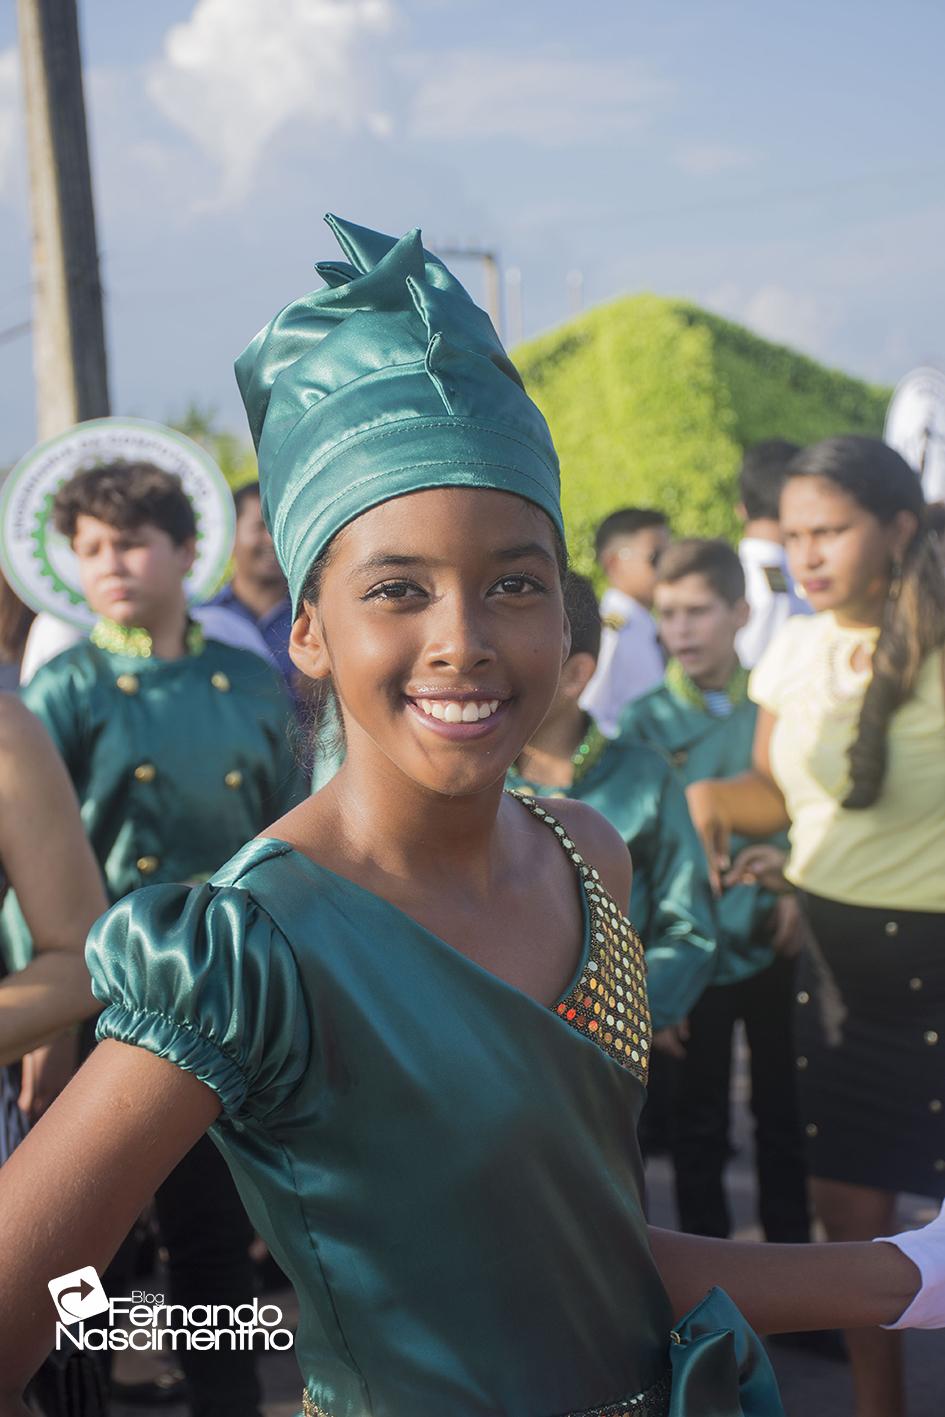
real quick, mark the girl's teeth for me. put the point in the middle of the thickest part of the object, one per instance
(469, 712)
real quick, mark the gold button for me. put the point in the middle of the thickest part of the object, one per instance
(811, 1129)
(128, 683)
(892, 927)
(915, 985)
(145, 772)
(935, 1105)
(234, 778)
(940, 1165)
(220, 681)
(802, 1062)
(931, 1037)
(803, 997)
(147, 865)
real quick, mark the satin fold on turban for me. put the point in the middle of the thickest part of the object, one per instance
(387, 381)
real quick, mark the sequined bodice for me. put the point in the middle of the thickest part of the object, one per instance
(608, 1002)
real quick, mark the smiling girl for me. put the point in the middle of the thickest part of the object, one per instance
(411, 1012)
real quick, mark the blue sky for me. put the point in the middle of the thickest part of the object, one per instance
(782, 165)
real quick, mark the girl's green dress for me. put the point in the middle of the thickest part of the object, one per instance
(447, 1171)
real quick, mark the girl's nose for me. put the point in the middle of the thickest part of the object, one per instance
(457, 637)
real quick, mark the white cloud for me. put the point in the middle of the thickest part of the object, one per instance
(711, 159)
(789, 318)
(11, 126)
(231, 78)
(550, 100)
(785, 316)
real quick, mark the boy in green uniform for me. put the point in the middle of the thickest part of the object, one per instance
(703, 721)
(177, 748)
(635, 789)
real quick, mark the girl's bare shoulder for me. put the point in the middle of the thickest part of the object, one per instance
(601, 846)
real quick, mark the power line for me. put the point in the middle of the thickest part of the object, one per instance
(15, 331)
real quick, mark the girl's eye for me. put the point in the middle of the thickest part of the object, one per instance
(393, 590)
(515, 585)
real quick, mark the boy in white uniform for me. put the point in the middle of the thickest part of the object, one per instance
(769, 589)
(628, 544)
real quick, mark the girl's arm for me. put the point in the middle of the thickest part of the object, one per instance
(72, 1190)
(786, 1288)
(49, 863)
(750, 804)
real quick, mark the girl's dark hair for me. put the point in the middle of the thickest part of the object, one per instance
(913, 624)
(580, 606)
(15, 621)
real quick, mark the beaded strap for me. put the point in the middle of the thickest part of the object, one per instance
(608, 1004)
(652, 1403)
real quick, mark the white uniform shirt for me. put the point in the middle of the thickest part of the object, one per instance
(631, 661)
(771, 595)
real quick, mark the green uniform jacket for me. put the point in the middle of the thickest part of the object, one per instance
(176, 763)
(700, 746)
(671, 901)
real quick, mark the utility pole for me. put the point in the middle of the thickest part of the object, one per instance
(513, 305)
(69, 359)
(490, 271)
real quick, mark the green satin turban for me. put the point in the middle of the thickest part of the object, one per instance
(387, 381)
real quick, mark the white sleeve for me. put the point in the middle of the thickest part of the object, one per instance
(231, 628)
(48, 637)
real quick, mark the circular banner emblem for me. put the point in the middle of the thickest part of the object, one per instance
(39, 563)
(915, 427)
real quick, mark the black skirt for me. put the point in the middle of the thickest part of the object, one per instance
(870, 1033)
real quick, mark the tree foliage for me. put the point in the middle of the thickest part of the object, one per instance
(235, 459)
(652, 402)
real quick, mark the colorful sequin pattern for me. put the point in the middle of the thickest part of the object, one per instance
(608, 1004)
(310, 1407)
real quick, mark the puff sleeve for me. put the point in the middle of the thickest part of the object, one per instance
(204, 978)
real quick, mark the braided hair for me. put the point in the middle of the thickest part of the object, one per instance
(913, 624)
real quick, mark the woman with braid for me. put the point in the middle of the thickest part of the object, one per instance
(850, 747)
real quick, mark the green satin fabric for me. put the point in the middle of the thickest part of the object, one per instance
(445, 1169)
(716, 1355)
(192, 733)
(700, 746)
(671, 901)
(387, 381)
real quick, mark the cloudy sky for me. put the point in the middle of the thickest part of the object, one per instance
(781, 164)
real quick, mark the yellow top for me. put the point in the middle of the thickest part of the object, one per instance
(891, 855)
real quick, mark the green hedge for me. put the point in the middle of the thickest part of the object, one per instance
(652, 401)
